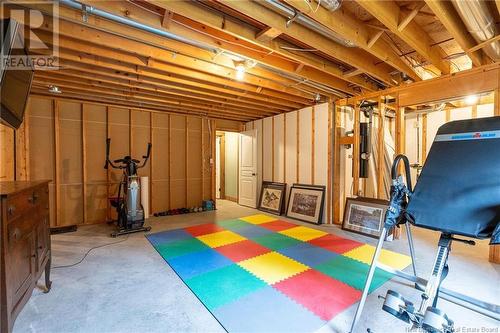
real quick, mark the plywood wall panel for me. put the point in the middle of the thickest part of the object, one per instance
(279, 148)
(305, 146)
(95, 142)
(79, 132)
(6, 153)
(140, 137)
(267, 149)
(96, 203)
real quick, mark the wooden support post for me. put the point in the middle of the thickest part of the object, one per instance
(272, 148)
(400, 144)
(150, 189)
(336, 164)
(298, 147)
(187, 162)
(329, 168)
(355, 150)
(202, 158)
(313, 130)
(84, 163)
(495, 249)
(381, 150)
(108, 205)
(56, 161)
(284, 147)
(169, 162)
(424, 139)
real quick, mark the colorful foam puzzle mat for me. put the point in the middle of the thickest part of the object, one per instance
(260, 274)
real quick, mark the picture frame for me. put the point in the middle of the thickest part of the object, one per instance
(272, 197)
(306, 203)
(365, 216)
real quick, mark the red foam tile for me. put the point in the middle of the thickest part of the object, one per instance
(277, 225)
(324, 296)
(203, 229)
(335, 243)
(242, 250)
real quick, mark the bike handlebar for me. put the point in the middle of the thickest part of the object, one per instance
(124, 160)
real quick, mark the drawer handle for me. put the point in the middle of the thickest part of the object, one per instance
(11, 209)
(15, 234)
(40, 247)
(33, 199)
(33, 256)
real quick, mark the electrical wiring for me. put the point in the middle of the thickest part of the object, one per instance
(88, 252)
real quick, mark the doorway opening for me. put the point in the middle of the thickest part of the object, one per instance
(226, 165)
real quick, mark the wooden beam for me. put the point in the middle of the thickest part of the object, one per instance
(203, 33)
(449, 17)
(406, 19)
(355, 30)
(352, 56)
(157, 96)
(355, 150)
(200, 19)
(381, 150)
(167, 19)
(387, 12)
(268, 34)
(483, 44)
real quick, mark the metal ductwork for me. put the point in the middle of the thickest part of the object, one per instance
(480, 23)
(331, 5)
(295, 16)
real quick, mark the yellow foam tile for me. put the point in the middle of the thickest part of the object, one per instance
(365, 254)
(303, 233)
(258, 219)
(273, 267)
(220, 238)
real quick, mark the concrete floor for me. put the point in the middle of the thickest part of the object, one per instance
(127, 287)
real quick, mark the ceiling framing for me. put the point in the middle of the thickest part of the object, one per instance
(360, 48)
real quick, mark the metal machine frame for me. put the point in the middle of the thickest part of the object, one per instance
(427, 316)
(130, 213)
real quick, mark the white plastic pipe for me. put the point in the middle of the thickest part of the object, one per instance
(145, 195)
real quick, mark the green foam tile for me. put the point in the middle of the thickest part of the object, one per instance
(179, 248)
(233, 225)
(276, 241)
(352, 272)
(224, 285)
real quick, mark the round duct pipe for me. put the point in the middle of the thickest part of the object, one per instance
(480, 24)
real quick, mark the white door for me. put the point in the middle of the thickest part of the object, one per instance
(248, 169)
(217, 167)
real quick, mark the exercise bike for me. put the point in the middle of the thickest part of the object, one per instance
(128, 202)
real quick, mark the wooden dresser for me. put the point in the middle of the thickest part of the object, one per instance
(24, 245)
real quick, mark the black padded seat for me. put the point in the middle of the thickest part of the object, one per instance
(458, 191)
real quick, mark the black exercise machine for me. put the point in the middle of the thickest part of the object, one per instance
(130, 213)
(457, 194)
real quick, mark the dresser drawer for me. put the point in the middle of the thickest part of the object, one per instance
(21, 228)
(18, 205)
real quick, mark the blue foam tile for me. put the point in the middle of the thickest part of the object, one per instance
(266, 310)
(252, 231)
(196, 263)
(168, 236)
(308, 254)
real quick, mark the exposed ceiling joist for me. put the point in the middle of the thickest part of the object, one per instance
(388, 13)
(268, 34)
(232, 33)
(352, 56)
(348, 26)
(448, 16)
(406, 18)
(263, 55)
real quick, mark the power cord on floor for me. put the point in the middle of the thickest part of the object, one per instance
(88, 252)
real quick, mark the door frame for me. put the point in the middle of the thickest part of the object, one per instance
(222, 166)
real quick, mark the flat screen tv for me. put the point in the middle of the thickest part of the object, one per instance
(15, 82)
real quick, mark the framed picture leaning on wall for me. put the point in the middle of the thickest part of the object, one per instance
(365, 216)
(306, 203)
(272, 197)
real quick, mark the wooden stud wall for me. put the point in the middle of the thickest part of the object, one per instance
(65, 141)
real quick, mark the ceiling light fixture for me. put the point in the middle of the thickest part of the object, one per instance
(471, 99)
(240, 70)
(54, 89)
